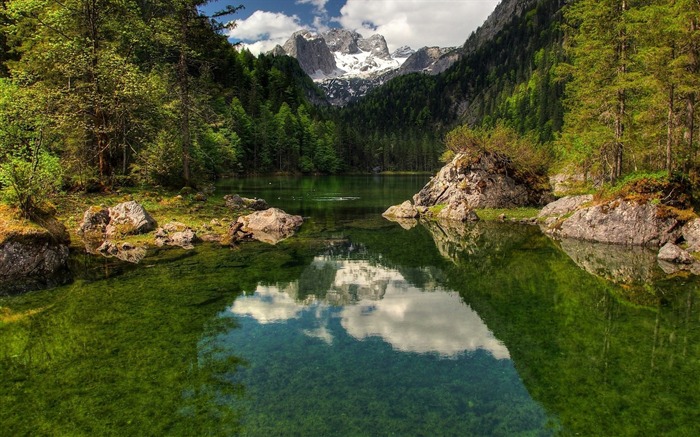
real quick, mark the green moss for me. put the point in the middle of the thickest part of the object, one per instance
(494, 214)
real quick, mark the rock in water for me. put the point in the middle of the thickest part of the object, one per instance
(556, 210)
(621, 222)
(674, 254)
(404, 211)
(484, 182)
(270, 226)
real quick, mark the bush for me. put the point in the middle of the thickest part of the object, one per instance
(527, 156)
(29, 180)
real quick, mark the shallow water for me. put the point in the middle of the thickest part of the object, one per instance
(357, 326)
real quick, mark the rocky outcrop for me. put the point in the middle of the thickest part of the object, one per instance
(458, 210)
(691, 235)
(32, 261)
(311, 51)
(620, 222)
(376, 45)
(343, 41)
(426, 59)
(270, 226)
(485, 182)
(556, 210)
(504, 13)
(176, 234)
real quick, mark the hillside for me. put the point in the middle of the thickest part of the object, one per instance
(505, 73)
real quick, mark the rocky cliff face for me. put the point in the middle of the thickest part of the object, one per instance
(499, 18)
(311, 51)
(431, 60)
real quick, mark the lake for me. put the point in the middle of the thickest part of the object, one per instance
(358, 326)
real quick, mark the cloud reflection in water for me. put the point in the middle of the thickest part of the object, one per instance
(377, 302)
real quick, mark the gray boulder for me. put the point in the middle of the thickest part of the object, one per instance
(270, 226)
(404, 211)
(129, 218)
(95, 221)
(674, 254)
(621, 222)
(32, 261)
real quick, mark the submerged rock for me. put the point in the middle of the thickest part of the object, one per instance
(270, 226)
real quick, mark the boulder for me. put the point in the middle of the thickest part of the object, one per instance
(129, 218)
(691, 235)
(234, 201)
(31, 261)
(404, 211)
(674, 254)
(555, 210)
(94, 223)
(270, 226)
(620, 222)
(176, 234)
(484, 182)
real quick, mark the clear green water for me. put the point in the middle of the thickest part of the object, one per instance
(357, 326)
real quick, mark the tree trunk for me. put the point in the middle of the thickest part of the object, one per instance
(669, 130)
(183, 85)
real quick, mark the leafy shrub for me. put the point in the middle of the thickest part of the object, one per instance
(526, 155)
(29, 180)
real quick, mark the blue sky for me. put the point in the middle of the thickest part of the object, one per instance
(417, 23)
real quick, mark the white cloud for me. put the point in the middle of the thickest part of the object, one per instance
(320, 5)
(417, 23)
(265, 28)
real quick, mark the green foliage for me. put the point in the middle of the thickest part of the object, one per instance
(527, 157)
(27, 180)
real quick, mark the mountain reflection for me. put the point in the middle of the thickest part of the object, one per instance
(374, 301)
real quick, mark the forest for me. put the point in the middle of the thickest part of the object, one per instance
(102, 93)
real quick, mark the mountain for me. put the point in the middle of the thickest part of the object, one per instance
(504, 73)
(346, 65)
